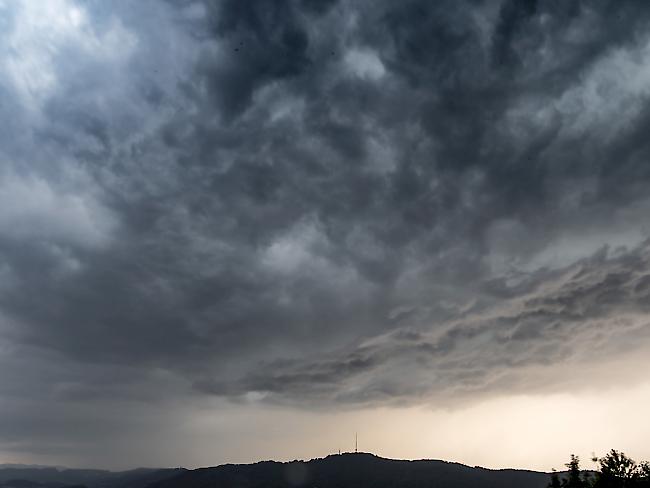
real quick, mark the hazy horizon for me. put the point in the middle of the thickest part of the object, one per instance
(241, 230)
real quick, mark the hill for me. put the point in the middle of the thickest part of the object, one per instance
(47, 477)
(20, 483)
(353, 470)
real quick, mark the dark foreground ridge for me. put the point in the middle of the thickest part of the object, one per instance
(354, 470)
(350, 470)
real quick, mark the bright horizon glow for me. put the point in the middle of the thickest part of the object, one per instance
(536, 432)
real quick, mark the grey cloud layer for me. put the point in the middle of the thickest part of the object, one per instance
(590, 311)
(221, 192)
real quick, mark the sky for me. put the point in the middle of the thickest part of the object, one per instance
(242, 230)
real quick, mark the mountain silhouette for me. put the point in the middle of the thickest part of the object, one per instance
(354, 470)
(48, 477)
(21, 483)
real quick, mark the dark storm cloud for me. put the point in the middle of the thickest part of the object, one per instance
(262, 42)
(308, 199)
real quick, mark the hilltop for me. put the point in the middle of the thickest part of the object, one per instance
(354, 470)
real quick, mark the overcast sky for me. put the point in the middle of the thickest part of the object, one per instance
(239, 230)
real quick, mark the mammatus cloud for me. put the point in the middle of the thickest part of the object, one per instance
(315, 202)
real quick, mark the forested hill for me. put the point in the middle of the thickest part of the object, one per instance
(354, 471)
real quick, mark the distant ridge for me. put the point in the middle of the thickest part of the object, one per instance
(24, 476)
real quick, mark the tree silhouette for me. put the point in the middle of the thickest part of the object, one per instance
(555, 480)
(574, 479)
(616, 470)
